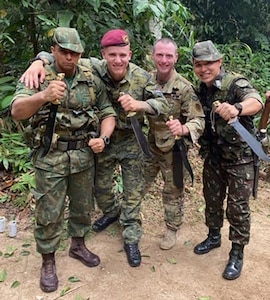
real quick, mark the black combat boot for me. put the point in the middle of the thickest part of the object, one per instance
(235, 264)
(103, 222)
(48, 279)
(213, 241)
(79, 251)
(133, 254)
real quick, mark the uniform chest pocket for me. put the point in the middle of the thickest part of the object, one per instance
(84, 98)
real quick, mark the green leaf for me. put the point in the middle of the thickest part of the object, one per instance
(172, 261)
(64, 291)
(3, 275)
(6, 79)
(187, 243)
(25, 253)
(73, 279)
(15, 284)
(5, 102)
(153, 269)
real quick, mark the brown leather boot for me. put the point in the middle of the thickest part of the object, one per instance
(48, 278)
(79, 251)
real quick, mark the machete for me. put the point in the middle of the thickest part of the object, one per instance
(180, 159)
(50, 126)
(253, 143)
(138, 132)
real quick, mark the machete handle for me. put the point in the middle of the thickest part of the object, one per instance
(60, 76)
(216, 104)
(265, 115)
(130, 113)
(176, 137)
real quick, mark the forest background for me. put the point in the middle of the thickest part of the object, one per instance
(240, 29)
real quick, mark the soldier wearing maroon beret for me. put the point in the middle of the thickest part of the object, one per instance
(115, 37)
(130, 88)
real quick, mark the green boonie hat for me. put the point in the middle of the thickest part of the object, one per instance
(68, 38)
(205, 51)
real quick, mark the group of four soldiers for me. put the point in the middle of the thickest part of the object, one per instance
(93, 134)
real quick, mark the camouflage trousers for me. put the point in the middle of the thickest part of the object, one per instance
(234, 181)
(53, 190)
(123, 152)
(173, 198)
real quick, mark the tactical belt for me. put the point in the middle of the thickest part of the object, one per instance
(71, 145)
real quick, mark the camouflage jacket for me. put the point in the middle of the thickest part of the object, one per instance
(83, 106)
(220, 139)
(138, 84)
(184, 105)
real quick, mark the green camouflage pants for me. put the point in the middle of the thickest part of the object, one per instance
(173, 197)
(123, 151)
(50, 194)
(221, 179)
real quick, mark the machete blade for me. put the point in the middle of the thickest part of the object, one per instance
(253, 143)
(178, 171)
(139, 135)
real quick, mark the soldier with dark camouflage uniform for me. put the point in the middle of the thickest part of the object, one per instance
(228, 167)
(130, 88)
(68, 168)
(188, 122)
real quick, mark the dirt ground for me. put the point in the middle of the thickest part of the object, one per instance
(174, 274)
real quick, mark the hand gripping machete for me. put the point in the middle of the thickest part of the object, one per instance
(180, 159)
(138, 132)
(253, 143)
(50, 126)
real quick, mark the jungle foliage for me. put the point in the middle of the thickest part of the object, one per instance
(240, 29)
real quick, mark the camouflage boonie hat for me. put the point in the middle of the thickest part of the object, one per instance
(68, 38)
(205, 51)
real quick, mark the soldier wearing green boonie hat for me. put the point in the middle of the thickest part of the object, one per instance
(229, 166)
(68, 38)
(64, 135)
(205, 51)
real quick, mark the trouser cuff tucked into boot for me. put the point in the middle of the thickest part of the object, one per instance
(48, 278)
(235, 263)
(213, 241)
(79, 251)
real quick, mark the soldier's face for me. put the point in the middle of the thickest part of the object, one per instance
(207, 71)
(165, 56)
(117, 60)
(65, 60)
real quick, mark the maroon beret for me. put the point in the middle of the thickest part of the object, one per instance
(115, 37)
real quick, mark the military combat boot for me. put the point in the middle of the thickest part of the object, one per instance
(133, 254)
(235, 263)
(169, 239)
(48, 279)
(213, 241)
(79, 251)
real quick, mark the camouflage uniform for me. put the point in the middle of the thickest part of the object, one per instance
(185, 106)
(228, 159)
(66, 172)
(124, 150)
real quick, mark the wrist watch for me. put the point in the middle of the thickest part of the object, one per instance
(105, 139)
(239, 107)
